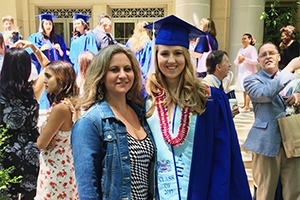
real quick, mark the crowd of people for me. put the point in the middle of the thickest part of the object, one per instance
(145, 120)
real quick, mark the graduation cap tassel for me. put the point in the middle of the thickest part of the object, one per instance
(153, 50)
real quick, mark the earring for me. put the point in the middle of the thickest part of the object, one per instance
(100, 93)
(129, 96)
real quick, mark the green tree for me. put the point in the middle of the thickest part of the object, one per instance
(276, 16)
(5, 178)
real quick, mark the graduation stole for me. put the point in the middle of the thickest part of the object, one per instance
(173, 162)
(51, 44)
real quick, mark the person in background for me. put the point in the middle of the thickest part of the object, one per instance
(192, 46)
(83, 39)
(112, 144)
(51, 44)
(246, 60)
(269, 161)
(289, 46)
(10, 34)
(102, 31)
(56, 178)
(207, 25)
(198, 154)
(218, 66)
(19, 112)
(140, 43)
(84, 59)
(2, 50)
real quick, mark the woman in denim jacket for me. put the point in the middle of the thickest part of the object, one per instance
(112, 144)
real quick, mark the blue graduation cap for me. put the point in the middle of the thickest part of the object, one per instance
(82, 17)
(173, 31)
(46, 16)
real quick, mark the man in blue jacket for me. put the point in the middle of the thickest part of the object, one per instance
(269, 162)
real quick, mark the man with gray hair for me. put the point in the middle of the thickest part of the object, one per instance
(218, 65)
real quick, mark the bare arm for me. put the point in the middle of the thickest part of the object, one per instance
(43, 60)
(57, 119)
(38, 84)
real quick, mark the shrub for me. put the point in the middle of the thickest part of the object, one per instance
(5, 178)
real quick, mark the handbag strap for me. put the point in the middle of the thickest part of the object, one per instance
(208, 43)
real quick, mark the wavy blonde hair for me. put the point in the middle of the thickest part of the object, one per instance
(98, 69)
(189, 87)
(140, 37)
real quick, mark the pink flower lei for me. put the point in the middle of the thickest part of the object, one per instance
(164, 125)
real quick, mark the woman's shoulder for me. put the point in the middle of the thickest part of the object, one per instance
(60, 108)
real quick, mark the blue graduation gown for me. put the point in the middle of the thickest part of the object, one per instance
(52, 54)
(217, 170)
(143, 56)
(82, 43)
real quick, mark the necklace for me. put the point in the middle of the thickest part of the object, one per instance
(118, 113)
(164, 125)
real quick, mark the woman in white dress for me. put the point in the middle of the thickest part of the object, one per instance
(246, 60)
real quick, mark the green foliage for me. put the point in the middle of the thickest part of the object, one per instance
(4, 173)
(277, 16)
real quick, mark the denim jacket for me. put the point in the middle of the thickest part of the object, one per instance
(101, 155)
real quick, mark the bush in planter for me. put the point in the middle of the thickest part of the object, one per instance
(5, 179)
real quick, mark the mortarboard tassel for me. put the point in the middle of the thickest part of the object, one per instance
(153, 50)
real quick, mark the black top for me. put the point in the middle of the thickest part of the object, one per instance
(288, 54)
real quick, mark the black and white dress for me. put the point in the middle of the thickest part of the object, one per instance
(141, 153)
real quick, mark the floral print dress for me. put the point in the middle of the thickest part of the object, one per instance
(21, 116)
(57, 177)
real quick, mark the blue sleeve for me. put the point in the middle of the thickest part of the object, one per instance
(146, 62)
(38, 42)
(91, 43)
(201, 46)
(87, 153)
(63, 46)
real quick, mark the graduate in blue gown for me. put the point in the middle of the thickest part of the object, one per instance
(83, 39)
(140, 43)
(51, 44)
(198, 154)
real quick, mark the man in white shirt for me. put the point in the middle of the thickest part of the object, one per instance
(218, 65)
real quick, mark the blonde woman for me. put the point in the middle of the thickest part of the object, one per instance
(198, 155)
(140, 44)
(205, 43)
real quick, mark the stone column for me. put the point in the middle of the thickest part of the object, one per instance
(192, 10)
(244, 18)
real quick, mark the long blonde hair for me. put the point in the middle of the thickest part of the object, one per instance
(189, 87)
(140, 37)
(94, 90)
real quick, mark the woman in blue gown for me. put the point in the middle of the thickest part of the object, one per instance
(51, 44)
(83, 39)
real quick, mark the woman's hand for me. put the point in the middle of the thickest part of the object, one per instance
(23, 44)
(241, 59)
(45, 47)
